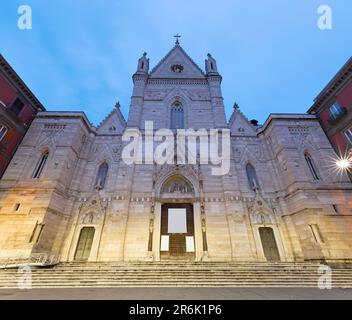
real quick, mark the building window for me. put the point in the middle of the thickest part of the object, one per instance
(177, 116)
(101, 176)
(3, 131)
(252, 177)
(16, 207)
(177, 68)
(40, 166)
(336, 208)
(17, 106)
(336, 110)
(348, 134)
(37, 231)
(311, 166)
(316, 233)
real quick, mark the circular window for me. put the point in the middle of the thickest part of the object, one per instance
(177, 68)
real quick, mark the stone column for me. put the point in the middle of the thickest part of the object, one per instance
(198, 235)
(156, 231)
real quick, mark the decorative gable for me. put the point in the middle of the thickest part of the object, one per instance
(261, 212)
(240, 125)
(114, 123)
(177, 64)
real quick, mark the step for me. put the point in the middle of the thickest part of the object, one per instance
(176, 274)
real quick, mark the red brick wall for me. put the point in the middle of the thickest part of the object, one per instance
(13, 137)
(337, 139)
(7, 93)
(345, 98)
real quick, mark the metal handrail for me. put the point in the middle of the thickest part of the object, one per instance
(41, 259)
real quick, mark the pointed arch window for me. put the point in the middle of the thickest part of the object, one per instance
(101, 176)
(177, 116)
(40, 166)
(252, 177)
(311, 166)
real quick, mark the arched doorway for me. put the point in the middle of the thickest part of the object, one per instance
(267, 237)
(84, 244)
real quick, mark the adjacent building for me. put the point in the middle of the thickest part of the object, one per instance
(18, 107)
(333, 108)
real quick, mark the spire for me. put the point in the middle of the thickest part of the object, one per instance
(210, 65)
(143, 64)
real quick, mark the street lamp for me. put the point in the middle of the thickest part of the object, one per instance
(345, 163)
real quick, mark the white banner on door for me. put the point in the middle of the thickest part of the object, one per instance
(190, 244)
(164, 245)
(177, 222)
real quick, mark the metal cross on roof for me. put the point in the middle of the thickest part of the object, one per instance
(177, 36)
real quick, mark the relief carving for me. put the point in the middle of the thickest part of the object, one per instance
(177, 186)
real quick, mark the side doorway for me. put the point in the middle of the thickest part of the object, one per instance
(269, 244)
(84, 244)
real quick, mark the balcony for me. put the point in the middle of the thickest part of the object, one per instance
(337, 117)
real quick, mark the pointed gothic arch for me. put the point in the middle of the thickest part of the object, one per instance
(174, 96)
(185, 173)
(262, 217)
(101, 177)
(41, 164)
(91, 217)
(177, 185)
(105, 152)
(311, 165)
(177, 116)
(252, 177)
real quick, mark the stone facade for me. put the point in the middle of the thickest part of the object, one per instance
(309, 219)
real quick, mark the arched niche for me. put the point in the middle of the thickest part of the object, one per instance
(91, 218)
(177, 187)
(262, 218)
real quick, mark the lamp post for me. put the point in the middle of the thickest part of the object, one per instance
(345, 163)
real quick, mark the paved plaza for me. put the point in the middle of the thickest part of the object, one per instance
(177, 294)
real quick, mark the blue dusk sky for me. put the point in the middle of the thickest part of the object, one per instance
(80, 55)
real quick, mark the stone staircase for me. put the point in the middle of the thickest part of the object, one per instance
(176, 274)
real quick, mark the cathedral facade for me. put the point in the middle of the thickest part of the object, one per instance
(68, 192)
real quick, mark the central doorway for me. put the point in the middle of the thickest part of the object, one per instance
(177, 232)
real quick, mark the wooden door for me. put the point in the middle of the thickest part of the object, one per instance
(84, 243)
(177, 241)
(269, 244)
